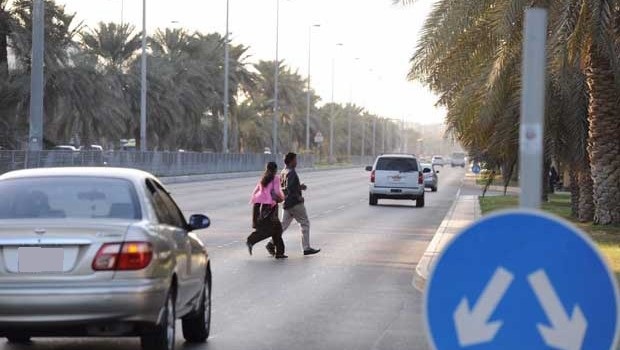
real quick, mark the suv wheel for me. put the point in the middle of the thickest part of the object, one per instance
(196, 327)
(372, 200)
(419, 203)
(162, 337)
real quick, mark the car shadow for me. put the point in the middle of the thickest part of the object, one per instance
(401, 206)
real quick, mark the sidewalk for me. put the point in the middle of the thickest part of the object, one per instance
(470, 178)
(464, 212)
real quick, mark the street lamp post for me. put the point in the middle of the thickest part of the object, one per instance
(331, 119)
(143, 146)
(274, 146)
(351, 110)
(383, 141)
(35, 142)
(363, 151)
(374, 136)
(226, 82)
(308, 97)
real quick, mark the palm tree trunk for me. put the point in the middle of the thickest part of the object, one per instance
(603, 144)
(586, 201)
(574, 191)
(4, 34)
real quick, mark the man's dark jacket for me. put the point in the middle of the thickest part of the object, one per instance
(291, 186)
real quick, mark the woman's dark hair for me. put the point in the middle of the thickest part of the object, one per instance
(270, 173)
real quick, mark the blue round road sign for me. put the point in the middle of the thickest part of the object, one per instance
(522, 280)
(476, 169)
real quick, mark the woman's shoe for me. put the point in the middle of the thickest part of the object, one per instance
(249, 245)
(281, 256)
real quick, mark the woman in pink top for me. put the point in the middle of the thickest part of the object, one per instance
(265, 218)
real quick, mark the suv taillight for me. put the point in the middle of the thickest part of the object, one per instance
(127, 256)
(372, 177)
(420, 178)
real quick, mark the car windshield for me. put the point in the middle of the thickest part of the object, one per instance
(68, 198)
(403, 165)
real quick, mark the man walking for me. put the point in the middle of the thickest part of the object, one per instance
(294, 207)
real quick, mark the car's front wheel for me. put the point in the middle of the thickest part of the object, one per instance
(18, 339)
(162, 337)
(197, 326)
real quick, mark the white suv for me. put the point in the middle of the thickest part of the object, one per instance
(396, 176)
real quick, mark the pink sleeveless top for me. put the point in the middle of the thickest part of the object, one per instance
(262, 195)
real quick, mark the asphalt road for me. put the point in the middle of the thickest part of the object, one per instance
(355, 294)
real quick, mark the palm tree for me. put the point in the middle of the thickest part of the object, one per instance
(114, 45)
(470, 54)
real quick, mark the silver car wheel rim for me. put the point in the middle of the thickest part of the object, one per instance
(171, 323)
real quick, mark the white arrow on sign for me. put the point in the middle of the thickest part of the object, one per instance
(472, 325)
(565, 333)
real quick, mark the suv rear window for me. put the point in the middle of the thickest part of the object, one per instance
(403, 165)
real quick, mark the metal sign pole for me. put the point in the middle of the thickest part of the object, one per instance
(36, 76)
(533, 108)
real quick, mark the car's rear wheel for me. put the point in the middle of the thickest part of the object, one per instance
(18, 339)
(162, 336)
(434, 189)
(419, 203)
(372, 200)
(197, 326)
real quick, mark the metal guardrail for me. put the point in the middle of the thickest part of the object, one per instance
(158, 163)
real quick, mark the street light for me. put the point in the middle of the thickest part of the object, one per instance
(309, 85)
(331, 119)
(274, 146)
(143, 147)
(350, 114)
(226, 81)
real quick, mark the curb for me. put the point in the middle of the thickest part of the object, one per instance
(449, 228)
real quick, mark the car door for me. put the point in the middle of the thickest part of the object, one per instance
(193, 255)
(169, 230)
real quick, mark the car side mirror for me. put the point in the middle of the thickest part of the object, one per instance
(369, 168)
(199, 222)
(436, 171)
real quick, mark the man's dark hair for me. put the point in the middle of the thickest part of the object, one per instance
(289, 158)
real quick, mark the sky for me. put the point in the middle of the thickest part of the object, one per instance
(371, 66)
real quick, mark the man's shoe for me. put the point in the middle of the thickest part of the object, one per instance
(281, 256)
(271, 248)
(311, 251)
(249, 247)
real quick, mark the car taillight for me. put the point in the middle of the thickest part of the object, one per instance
(125, 256)
(372, 177)
(420, 178)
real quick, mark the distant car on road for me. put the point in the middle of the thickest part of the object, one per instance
(431, 180)
(99, 252)
(95, 148)
(438, 161)
(65, 148)
(396, 176)
(458, 159)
